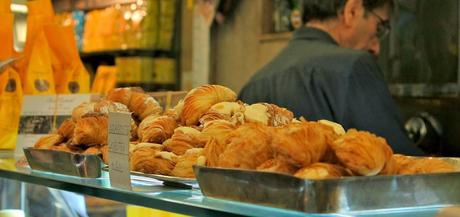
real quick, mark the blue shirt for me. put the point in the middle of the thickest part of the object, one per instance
(316, 78)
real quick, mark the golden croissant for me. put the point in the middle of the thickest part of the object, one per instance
(230, 111)
(156, 129)
(184, 138)
(63, 147)
(199, 100)
(66, 129)
(219, 130)
(362, 152)
(143, 105)
(212, 151)
(148, 160)
(425, 165)
(300, 143)
(322, 171)
(248, 147)
(121, 95)
(278, 165)
(91, 130)
(268, 114)
(106, 106)
(184, 164)
(82, 110)
(48, 141)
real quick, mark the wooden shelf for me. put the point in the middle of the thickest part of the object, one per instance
(282, 36)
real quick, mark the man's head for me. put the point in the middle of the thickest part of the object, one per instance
(356, 24)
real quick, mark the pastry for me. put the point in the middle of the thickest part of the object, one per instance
(105, 154)
(230, 111)
(90, 131)
(143, 105)
(66, 129)
(48, 141)
(277, 165)
(219, 130)
(149, 160)
(82, 110)
(321, 171)
(300, 143)
(106, 106)
(121, 95)
(425, 165)
(93, 150)
(154, 146)
(184, 138)
(268, 114)
(156, 129)
(184, 164)
(362, 152)
(199, 100)
(62, 147)
(248, 147)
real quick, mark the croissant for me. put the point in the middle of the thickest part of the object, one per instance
(121, 95)
(143, 105)
(154, 146)
(362, 152)
(105, 153)
(322, 171)
(184, 165)
(212, 151)
(230, 111)
(93, 150)
(268, 114)
(426, 165)
(82, 110)
(219, 130)
(391, 167)
(156, 129)
(184, 138)
(90, 131)
(48, 141)
(300, 143)
(62, 147)
(277, 165)
(148, 160)
(248, 147)
(200, 99)
(66, 129)
(106, 106)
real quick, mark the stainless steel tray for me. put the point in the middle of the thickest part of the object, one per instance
(167, 180)
(345, 195)
(74, 164)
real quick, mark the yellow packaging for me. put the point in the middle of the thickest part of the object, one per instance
(10, 107)
(164, 69)
(132, 211)
(106, 79)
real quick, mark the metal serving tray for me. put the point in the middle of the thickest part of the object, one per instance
(74, 164)
(345, 195)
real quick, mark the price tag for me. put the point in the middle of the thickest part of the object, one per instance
(119, 133)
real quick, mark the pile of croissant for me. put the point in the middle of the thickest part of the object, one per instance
(209, 127)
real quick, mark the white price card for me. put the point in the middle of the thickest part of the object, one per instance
(119, 133)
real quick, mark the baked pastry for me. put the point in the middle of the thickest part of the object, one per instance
(148, 160)
(426, 165)
(338, 129)
(391, 167)
(278, 165)
(66, 129)
(121, 95)
(48, 141)
(362, 152)
(93, 150)
(301, 144)
(268, 114)
(184, 164)
(212, 151)
(106, 106)
(248, 147)
(230, 111)
(156, 129)
(82, 110)
(105, 154)
(219, 130)
(62, 147)
(199, 100)
(184, 138)
(322, 171)
(143, 105)
(91, 130)
(154, 146)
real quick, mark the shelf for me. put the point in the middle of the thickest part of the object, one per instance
(154, 194)
(281, 36)
(127, 52)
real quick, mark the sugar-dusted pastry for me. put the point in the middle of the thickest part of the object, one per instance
(248, 147)
(148, 160)
(219, 130)
(106, 106)
(93, 150)
(154, 146)
(143, 105)
(91, 130)
(426, 165)
(278, 165)
(82, 110)
(184, 138)
(48, 141)
(199, 100)
(322, 171)
(66, 129)
(268, 114)
(156, 129)
(362, 152)
(300, 143)
(184, 163)
(230, 111)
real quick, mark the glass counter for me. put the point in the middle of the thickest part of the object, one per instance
(153, 194)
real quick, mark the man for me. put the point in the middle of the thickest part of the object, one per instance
(328, 70)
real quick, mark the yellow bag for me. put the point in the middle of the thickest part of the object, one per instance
(106, 79)
(38, 78)
(10, 107)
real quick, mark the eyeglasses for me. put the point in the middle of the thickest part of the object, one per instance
(383, 27)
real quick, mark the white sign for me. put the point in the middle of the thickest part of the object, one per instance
(119, 134)
(41, 115)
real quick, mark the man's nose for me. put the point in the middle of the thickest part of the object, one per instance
(374, 47)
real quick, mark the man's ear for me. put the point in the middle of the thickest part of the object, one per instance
(351, 12)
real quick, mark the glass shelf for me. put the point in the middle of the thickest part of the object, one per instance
(154, 194)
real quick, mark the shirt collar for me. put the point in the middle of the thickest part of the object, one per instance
(309, 33)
